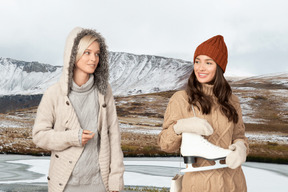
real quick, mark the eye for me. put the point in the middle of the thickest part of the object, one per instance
(196, 62)
(86, 52)
(97, 54)
(208, 63)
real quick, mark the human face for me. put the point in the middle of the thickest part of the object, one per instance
(88, 62)
(204, 68)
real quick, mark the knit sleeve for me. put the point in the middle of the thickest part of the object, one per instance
(239, 129)
(116, 182)
(44, 134)
(168, 140)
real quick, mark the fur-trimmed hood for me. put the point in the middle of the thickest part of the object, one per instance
(101, 73)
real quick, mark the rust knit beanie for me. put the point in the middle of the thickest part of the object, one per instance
(215, 48)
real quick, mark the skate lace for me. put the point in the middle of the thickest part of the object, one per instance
(210, 145)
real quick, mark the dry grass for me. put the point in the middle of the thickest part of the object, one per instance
(134, 144)
(268, 101)
(270, 152)
(146, 111)
(19, 141)
(280, 128)
(147, 189)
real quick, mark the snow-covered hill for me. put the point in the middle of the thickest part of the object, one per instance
(20, 77)
(137, 74)
(263, 98)
(280, 79)
(129, 74)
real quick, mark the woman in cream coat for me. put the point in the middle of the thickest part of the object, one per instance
(77, 120)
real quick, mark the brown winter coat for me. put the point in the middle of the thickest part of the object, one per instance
(225, 133)
(56, 126)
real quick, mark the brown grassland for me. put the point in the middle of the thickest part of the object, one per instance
(141, 118)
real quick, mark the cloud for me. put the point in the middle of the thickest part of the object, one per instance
(254, 31)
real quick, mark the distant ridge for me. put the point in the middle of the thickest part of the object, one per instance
(129, 74)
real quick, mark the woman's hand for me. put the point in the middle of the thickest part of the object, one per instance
(193, 125)
(237, 156)
(86, 136)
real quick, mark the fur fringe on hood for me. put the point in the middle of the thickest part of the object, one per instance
(101, 73)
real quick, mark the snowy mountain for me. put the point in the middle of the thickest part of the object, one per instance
(20, 77)
(137, 74)
(129, 74)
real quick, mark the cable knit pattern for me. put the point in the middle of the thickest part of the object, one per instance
(57, 126)
(225, 133)
(86, 173)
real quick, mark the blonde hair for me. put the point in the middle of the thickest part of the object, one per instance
(84, 43)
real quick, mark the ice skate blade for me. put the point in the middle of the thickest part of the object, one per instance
(217, 165)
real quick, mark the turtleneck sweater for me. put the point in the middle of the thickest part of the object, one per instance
(208, 89)
(86, 175)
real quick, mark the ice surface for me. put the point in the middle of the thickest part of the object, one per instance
(260, 176)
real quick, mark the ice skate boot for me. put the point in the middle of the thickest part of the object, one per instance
(194, 145)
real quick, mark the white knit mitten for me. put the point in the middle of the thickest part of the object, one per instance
(193, 125)
(237, 156)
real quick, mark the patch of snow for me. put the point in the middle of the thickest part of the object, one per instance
(280, 139)
(145, 131)
(247, 119)
(280, 82)
(11, 124)
(121, 102)
(136, 129)
(279, 92)
(244, 88)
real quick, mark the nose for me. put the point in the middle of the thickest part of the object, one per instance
(201, 66)
(93, 57)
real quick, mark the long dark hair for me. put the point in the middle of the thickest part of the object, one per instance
(221, 90)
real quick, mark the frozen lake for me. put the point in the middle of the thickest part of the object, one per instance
(31, 172)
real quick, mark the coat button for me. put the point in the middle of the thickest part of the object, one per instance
(104, 105)
(48, 178)
(56, 156)
(67, 129)
(67, 103)
(70, 162)
(60, 184)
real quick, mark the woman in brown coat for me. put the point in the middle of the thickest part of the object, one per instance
(218, 119)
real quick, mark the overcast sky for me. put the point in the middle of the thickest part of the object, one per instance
(255, 31)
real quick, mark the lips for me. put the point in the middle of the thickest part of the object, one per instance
(202, 75)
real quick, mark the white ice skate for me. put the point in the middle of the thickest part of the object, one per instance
(194, 145)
